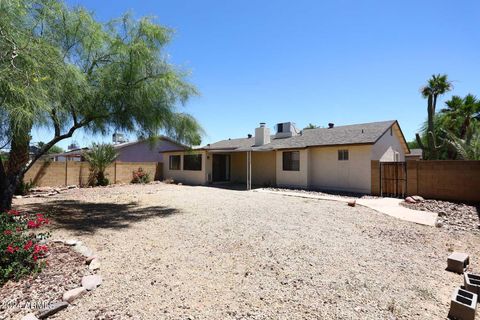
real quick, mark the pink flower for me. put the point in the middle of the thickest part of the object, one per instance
(11, 249)
(32, 224)
(7, 232)
(28, 245)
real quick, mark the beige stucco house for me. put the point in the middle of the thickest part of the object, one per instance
(333, 158)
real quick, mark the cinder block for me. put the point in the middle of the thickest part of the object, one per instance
(462, 306)
(472, 282)
(458, 262)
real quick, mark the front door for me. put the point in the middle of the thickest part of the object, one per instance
(221, 167)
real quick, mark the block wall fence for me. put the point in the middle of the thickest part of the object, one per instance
(438, 179)
(50, 174)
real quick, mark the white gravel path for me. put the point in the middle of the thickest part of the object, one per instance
(180, 252)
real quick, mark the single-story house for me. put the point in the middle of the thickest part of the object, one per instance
(333, 158)
(415, 154)
(135, 151)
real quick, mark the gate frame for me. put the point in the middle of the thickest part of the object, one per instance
(405, 180)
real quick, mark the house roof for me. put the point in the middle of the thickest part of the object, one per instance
(416, 152)
(126, 144)
(364, 133)
(79, 151)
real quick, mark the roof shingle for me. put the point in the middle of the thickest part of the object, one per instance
(364, 133)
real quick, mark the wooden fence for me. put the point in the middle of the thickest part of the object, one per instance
(438, 179)
(50, 174)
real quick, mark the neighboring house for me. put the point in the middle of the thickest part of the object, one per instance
(415, 154)
(70, 155)
(334, 158)
(137, 151)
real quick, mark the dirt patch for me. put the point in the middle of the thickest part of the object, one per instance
(451, 215)
(63, 271)
(179, 252)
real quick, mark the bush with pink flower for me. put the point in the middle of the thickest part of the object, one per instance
(140, 176)
(20, 244)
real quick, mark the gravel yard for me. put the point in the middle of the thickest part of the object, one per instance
(181, 252)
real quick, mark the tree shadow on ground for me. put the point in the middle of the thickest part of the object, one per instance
(85, 217)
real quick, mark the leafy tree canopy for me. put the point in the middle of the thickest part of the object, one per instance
(63, 70)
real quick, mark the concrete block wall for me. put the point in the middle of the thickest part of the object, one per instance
(51, 174)
(438, 179)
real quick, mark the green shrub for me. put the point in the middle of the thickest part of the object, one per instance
(140, 176)
(20, 249)
(24, 187)
(100, 156)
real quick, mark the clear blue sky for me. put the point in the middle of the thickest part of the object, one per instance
(311, 61)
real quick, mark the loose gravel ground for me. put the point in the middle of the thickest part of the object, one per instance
(181, 252)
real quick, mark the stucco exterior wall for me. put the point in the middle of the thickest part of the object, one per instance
(329, 173)
(238, 167)
(296, 179)
(144, 151)
(263, 168)
(186, 176)
(384, 149)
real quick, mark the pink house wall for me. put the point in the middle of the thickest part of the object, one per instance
(145, 152)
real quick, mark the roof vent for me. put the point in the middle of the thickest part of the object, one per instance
(262, 124)
(249, 135)
(331, 125)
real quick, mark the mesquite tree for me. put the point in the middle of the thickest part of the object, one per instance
(63, 70)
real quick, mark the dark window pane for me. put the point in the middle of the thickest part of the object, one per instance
(342, 154)
(192, 162)
(291, 161)
(174, 163)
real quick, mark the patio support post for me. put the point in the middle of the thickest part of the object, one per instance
(249, 170)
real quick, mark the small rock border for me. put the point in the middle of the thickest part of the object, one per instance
(88, 283)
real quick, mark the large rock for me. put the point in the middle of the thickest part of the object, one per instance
(91, 282)
(52, 309)
(90, 258)
(410, 200)
(72, 242)
(418, 198)
(94, 264)
(83, 250)
(73, 294)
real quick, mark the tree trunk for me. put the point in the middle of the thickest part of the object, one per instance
(432, 152)
(12, 174)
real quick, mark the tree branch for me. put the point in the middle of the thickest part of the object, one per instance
(56, 125)
(55, 140)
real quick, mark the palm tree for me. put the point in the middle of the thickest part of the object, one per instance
(462, 112)
(100, 156)
(436, 86)
(469, 147)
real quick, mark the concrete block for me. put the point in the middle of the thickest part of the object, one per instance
(458, 262)
(472, 282)
(462, 306)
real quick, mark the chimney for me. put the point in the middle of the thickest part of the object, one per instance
(249, 136)
(262, 135)
(331, 125)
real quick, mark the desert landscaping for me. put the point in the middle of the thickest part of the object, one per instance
(172, 251)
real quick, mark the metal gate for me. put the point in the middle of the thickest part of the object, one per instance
(393, 179)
